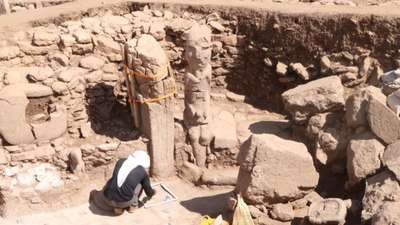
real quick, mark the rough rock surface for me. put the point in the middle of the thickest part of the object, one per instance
(322, 95)
(364, 155)
(391, 158)
(282, 212)
(356, 105)
(267, 173)
(383, 121)
(327, 211)
(225, 131)
(380, 189)
(388, 213)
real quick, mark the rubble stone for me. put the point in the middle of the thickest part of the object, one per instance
(282, 212)
(391, 158)
(327, 211)
(92, 63)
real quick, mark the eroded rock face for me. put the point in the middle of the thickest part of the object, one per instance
(330, 136)
(383, 121)
(327, 211)
(356, 105)
(388, 213)
(322, 95)
(380, 189)
(267, 172)
(363, 157)
(391, 158)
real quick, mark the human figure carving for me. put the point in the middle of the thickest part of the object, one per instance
(197, 81)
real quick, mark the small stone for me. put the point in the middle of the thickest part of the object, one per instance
(168, 15)
(235, 97)
(82, 37)
(110, 77)
(281, 69)
(92, 63)
(36, 200)
(282, 212)
(108, 147)
(300, 70)
(86, 130)
(45, 38)
(331, 210)
(9, 52)
(325, 64)
(216, 26)
(157, 30)
(67, 40)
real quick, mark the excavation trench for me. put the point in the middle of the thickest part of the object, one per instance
(257, 56)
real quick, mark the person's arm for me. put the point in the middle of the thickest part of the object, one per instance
(147, 186)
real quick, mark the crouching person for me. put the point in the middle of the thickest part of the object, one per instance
(129, 178)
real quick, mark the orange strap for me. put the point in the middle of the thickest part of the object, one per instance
(164, 69)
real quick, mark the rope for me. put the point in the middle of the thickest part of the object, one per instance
(134, 73)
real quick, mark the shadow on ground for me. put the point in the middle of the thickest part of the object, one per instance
(98, 206)
(209, 205)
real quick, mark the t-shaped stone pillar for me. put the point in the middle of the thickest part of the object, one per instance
(151, 89)
(197, 79)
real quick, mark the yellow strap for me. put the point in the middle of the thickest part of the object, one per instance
(158, 98)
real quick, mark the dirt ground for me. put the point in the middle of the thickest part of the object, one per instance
(191, 204)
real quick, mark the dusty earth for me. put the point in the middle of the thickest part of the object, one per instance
(191, 204)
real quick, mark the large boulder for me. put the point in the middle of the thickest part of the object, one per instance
(380, 189)
(275, 170)
(363, 157)
(391, 158)
(388, 213)
(383, 121)
(330, 136)
(356, 105)
(322, 95)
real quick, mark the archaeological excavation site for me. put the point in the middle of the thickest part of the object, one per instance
(292, 106)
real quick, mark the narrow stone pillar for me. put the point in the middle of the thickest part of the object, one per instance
(151, 92)
(4, 7)
(197, 79)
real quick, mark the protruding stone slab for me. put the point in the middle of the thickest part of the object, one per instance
(380, 189)
(356, 105)
(53, 128)
(363, 157)
(275, 170)
(391, 158)
(382, 121)
(322, 95)
(327, 211)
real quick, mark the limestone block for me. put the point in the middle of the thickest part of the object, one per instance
(190, 172)
(13, 126)
(325, 64)
(157, 30)
(94, 77)
(67, 40)
(9, 52)
(325, 94)
(267, 173)
(35, 90)
(108, 45)
(391, 158)
(215, 25)
(110, 77)
(41, 38)
(282, 212)
(82, 37)
(70, 73)
(388, 213)
(57, 125)
(82, 49)
(86, 130)
(91, 24)
(281, 69)
(92, 63)
(12, 77)
(108, 147)
(29, 49)
(43, 73)
(356, 105)
(235, 97)
(327, 211)
(380, 189)
(393, 102)
(225, 131)
(300, 70)
(179, 25)
(363, 157)
(77, 165)
(230, 40)
(59, 87)
(382, 121)
(220, 176)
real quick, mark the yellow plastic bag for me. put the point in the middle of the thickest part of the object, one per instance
(241, 215)
(207, 220)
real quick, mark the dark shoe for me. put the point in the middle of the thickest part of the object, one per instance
(131, 208)
(118, 211)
